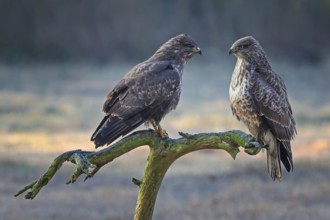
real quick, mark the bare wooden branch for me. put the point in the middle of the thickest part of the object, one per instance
(163, 152)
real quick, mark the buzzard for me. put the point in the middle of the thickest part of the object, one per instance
(147, 92)
(259, 99)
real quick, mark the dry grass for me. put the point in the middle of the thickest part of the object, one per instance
(46, 110)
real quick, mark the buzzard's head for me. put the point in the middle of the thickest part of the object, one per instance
(247, 48)
(181, 47)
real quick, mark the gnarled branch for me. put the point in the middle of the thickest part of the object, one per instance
(163, 152)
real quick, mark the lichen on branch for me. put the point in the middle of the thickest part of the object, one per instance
(163, 152)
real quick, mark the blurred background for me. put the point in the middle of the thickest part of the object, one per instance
(59, 59)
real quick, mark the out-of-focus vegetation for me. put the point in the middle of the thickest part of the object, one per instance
(52, 88)
(59, 30)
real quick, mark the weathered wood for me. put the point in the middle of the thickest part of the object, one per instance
(163, 152)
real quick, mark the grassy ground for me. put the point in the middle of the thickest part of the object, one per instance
(48, 109)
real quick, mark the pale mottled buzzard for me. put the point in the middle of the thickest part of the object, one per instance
(259, 99)
(147, 93)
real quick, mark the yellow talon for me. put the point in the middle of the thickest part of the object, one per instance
(163, 133)
(158, 129)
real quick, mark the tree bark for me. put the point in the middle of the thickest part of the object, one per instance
(163, 152)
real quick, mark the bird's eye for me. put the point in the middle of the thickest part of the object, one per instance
(188, 45)
(243, 46)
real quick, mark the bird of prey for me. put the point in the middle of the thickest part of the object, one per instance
(147, 92)
(259, 99)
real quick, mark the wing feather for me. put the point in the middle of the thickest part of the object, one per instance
(270, 98)
(145, 91)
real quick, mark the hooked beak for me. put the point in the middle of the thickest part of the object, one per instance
(231, 51)
(198, 50)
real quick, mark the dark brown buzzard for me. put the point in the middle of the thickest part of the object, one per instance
(259, 99)
(147, 93)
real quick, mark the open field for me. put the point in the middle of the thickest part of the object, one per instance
(48, 109)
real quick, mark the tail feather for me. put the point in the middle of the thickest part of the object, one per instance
(110, 129)
(97, 130)
(278, 150)
(110, 132)
(286, 155)
(282, 152)
(273, 162)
